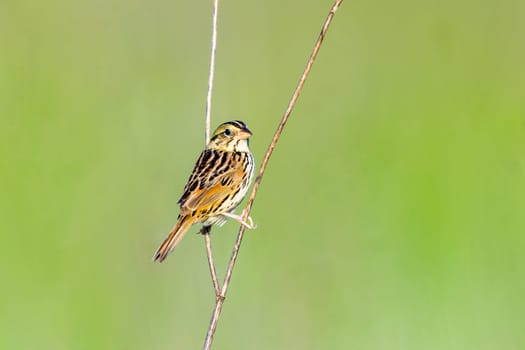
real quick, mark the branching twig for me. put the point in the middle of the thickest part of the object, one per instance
(220, 299)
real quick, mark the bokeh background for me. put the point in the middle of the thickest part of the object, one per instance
(391, 215)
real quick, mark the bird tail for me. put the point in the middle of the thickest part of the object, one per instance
(181, 227)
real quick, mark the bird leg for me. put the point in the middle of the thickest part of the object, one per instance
(205, 230)
(249, 225)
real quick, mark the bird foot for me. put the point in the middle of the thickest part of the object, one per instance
(249, 225)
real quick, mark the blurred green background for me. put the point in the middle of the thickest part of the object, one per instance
(391, 215)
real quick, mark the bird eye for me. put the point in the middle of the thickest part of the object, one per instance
(227, 132)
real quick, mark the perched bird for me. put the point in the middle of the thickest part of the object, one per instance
(217, 185)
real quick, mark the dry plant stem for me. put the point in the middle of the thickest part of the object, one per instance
(212, 68)
(206, 231)
(220, 300)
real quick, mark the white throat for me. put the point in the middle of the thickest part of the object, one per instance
(242, 146)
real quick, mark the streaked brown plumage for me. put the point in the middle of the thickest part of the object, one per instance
(217, 185)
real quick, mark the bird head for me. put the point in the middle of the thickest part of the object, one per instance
(231, 136)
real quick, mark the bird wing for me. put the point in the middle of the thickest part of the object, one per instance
(212, 181)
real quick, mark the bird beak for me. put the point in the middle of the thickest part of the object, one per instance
(245, 134)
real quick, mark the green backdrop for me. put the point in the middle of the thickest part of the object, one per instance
(391, 215)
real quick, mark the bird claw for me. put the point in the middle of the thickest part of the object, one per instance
(250, 225)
